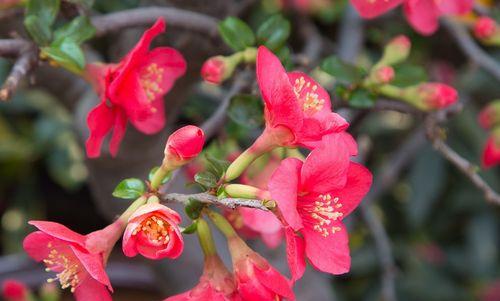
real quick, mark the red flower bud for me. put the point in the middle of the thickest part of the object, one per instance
(13, 290)
(432, 96)
(184, 145)
(491, 152)
(485, 27)
(214, 69)
(396, 51)
(384, 75)
(490, 115)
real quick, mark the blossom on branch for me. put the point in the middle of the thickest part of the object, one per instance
(184, 145)
(13, 290)
(153, 231)
(132, 90)
(78, 260)
(423, 15)
(314, 196)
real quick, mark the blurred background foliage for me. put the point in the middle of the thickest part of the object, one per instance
(445, 237)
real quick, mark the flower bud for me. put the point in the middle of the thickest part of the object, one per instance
(183, 146)
(217, 69)
(382, 75)
(13, 290)
(490, 115)
(491, 152)
(396, 51)
(431, 96)
(485, 28)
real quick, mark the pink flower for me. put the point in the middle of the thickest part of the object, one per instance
(132, 90)
(153, 231)
(213, 70)
(13, 290)
(184, 145)
(490, 115)
(78, 260)
(491, 152)
(314, 197)
(485, 27)
(256, 279)
(216, 283)
(423, 15)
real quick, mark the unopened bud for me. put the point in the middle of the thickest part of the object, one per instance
(431, 96)
(215, 70)
(485, 28)
(13, 290)
(490, 115)
(382, 75)
(183, 145)
(491, 152)
(396, 51)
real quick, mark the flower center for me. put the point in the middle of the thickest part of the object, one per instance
(151, 78)
(155, 228)
(67, 268)
(323, 212)
(308, 96)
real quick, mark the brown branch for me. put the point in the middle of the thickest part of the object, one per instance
(13, 47)
(24, 64)
(148, 15)
(206, 198)
(472, 50)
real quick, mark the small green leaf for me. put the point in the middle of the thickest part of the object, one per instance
(39, 31)
(342, 71)
(408, 75)
(361, 99)
(129, 189)
(152, 173)
(67, 54)
(206, 179)
(191, 228)
(246, 111)
(236, 33)
(78, 30)
(274, 32)
(193, 208)
(218, 166)
(45, 10)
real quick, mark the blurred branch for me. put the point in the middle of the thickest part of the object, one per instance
(350, 39)
(144, 16)
(13, 47)
(213, 200)
(24, 64)
(471, 49)
(435, 135)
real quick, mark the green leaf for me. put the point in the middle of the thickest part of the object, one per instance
(206, 179)
(67, 54)
(274, 32)
(39, 31)
(218, 166)
(129, 189)
(342, 71)
(361, 99)
(191, 228)
(408, 75)
(246, 111)
(78, 30)
(193, 208)
(153, 171)
(236, 33)
(45, 10)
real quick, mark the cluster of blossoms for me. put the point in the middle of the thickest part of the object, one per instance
(489, 119)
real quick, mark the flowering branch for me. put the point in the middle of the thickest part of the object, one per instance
(472, 50)
(213, 200)
(148, 15)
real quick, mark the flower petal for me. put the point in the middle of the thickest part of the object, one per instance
(374, 8)
(120, 125)
(491, 153)
(274, 281)
(59, 231)
(154, 121)
(260, 221)
(423, 15)
(92, 290)
(328, 254)
(94, 264)
(457, 7)
(295, 254)
(35, 245)
(100, 120)
(284, 188)
(316, 128)
(313, 99)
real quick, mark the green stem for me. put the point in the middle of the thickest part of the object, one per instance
(161, 173)
(205, 238)
(131, 209)
(222, 224)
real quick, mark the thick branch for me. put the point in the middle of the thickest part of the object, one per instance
(13, 47)
(213, 200)
(472, 50)
(22, 67)
(147, 15)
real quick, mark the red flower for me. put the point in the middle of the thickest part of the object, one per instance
(256, 279)
(423, 15)
(78, 260)
(213, 70)
(216, 283)
(491, 152)
(13, 290)
(485, 27)
(314, 197)
(184, 145)
(153, 232)
(132, 90)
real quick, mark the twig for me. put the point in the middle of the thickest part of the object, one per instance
(466, 167)
(21, 68)
(147, 15)
(350, 36)
(472, 50)
(13, 47)
(213, 200)
(313, 41)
